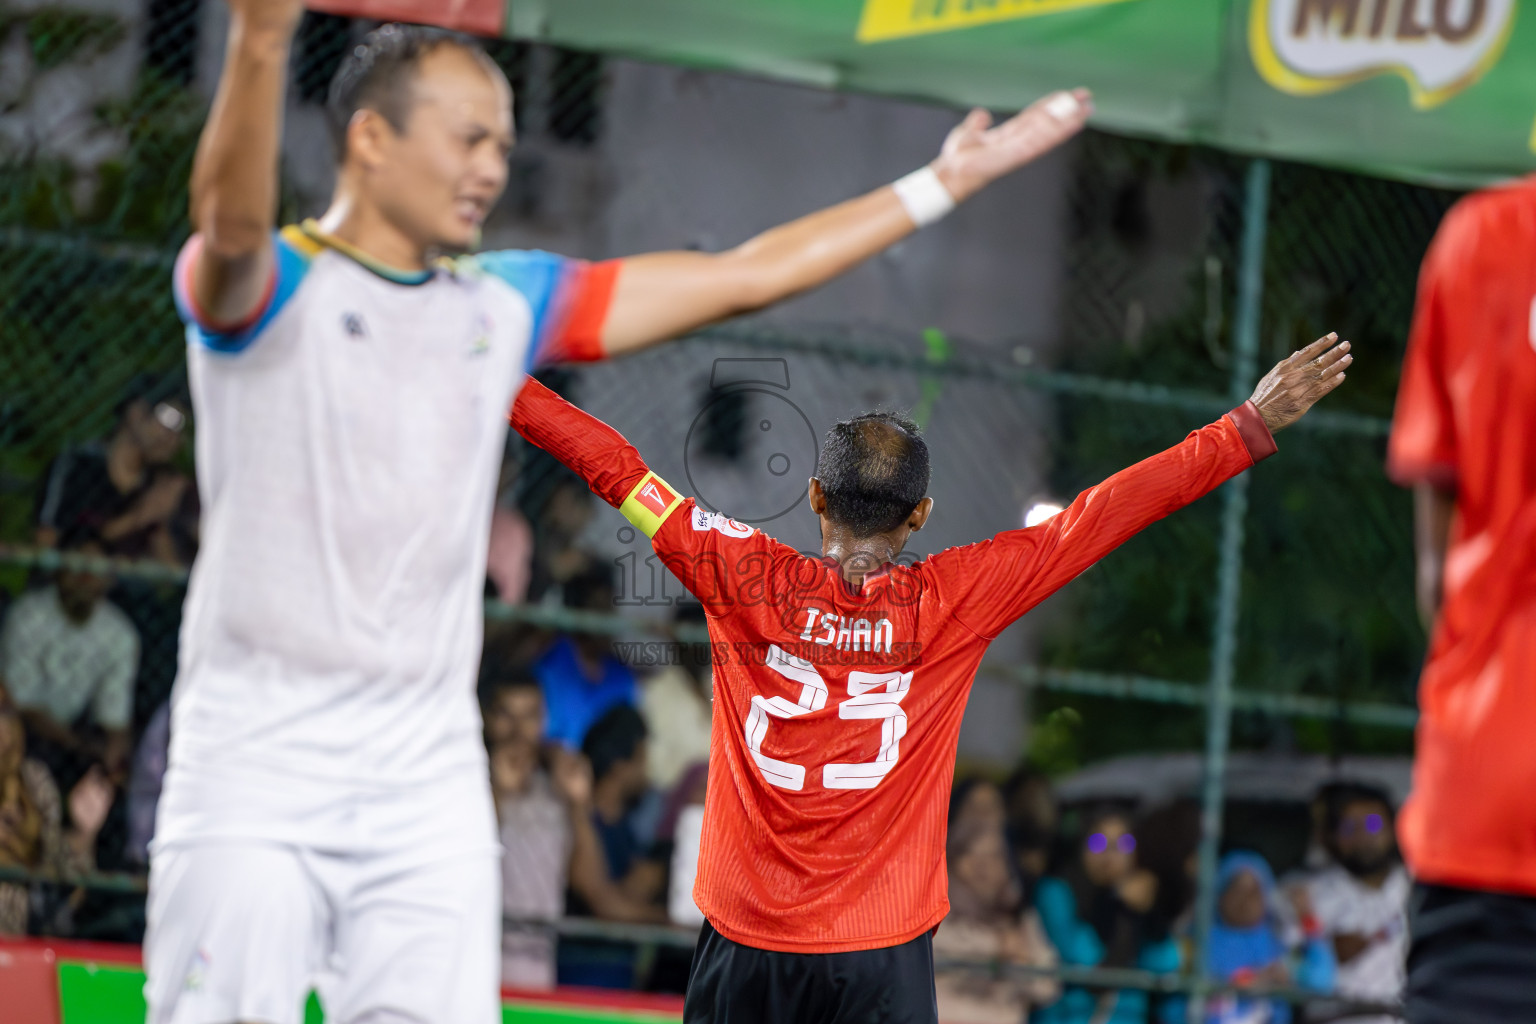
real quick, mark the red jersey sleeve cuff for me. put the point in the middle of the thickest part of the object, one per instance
(1252, 429)
(1408, 472)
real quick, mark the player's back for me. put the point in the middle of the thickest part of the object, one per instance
(837, 715)
(1474, 358)
(1466, 423)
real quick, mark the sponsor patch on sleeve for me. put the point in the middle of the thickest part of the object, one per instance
(704, 520)
(650, 503)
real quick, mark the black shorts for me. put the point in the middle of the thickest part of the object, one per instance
(735, 984)
(1473, 957)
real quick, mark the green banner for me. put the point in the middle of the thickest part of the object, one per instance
(1439, 91)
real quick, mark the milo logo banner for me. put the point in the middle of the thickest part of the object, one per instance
(1439, 47)
(1440, 91)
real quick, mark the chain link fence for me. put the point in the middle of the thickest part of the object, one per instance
(100, 106)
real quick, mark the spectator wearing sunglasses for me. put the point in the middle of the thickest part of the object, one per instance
(1361, 898)
(1095, 907)
(125, 488)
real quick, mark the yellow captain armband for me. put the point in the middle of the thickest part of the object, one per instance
(649, 504)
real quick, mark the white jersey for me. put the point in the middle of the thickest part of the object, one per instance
(349, 440)
(1346, 906)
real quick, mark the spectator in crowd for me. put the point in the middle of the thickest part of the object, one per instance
(675, 703)
(683, 825)
(1168, 845)
(1095, 908)
(976, 800)
(70, 657)
(988, 921)
(1032, 819)
(543, 800)
(1361, 899)
(32, 832)
(145, 778)
(509, 559)
(559, 508)
(580, 676)
(616, 748)
(1248, 947)
(125, 489)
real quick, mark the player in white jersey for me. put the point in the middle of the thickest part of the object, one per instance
(326, 814)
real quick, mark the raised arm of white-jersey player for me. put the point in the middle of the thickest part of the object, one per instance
(990, 584)
(233, 205)
(661, 295)
(717, 559)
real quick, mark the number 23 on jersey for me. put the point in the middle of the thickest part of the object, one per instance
(871, 696)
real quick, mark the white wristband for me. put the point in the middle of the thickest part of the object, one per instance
(924, 196)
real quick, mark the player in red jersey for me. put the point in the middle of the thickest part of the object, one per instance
(840, 684)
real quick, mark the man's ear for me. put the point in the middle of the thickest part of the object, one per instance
(817, 497)
(920, 515)
(367, 134)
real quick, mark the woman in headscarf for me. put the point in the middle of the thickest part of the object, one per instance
(1248, 945)
(1095, 911)
(988, 923)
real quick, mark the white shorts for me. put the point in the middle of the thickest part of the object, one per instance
(401, 925)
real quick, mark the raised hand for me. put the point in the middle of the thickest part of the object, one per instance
(1297, 382)
(977, 153)
(89, 803)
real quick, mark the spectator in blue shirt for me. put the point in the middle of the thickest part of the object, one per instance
(1095, 909)
(580, 677)
(1248, 946)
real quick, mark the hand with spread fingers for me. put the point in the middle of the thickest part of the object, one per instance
(1297, 382)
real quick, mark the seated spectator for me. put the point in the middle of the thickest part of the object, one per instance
(1361, 899)
(558, 506)
(145, 779)
(543, 805)
(1095, 909)
(509, 559)
(988, 921)
(976, 801)
(124, 489)
(32, 836)
(616, 748)
(1032, 817)
(1247, 944)
(675, 703)
(70, 657)
(1168, 845)
(683, 826)
(580, 676)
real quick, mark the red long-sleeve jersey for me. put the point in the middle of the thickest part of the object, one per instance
(837, 710)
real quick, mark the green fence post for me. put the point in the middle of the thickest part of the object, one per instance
(1250, 296)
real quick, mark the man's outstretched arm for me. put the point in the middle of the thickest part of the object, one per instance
(661, 295)
(992, 583)
(584, 444)
(234, 174)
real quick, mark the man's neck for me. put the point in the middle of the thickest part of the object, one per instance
(609, 802)
(858, 557)
(365, 229)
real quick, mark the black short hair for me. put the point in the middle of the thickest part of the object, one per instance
(613, 738)
(873, 470)
(377, 73)
(1339, 795)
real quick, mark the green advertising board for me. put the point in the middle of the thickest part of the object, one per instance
(1440, 91)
